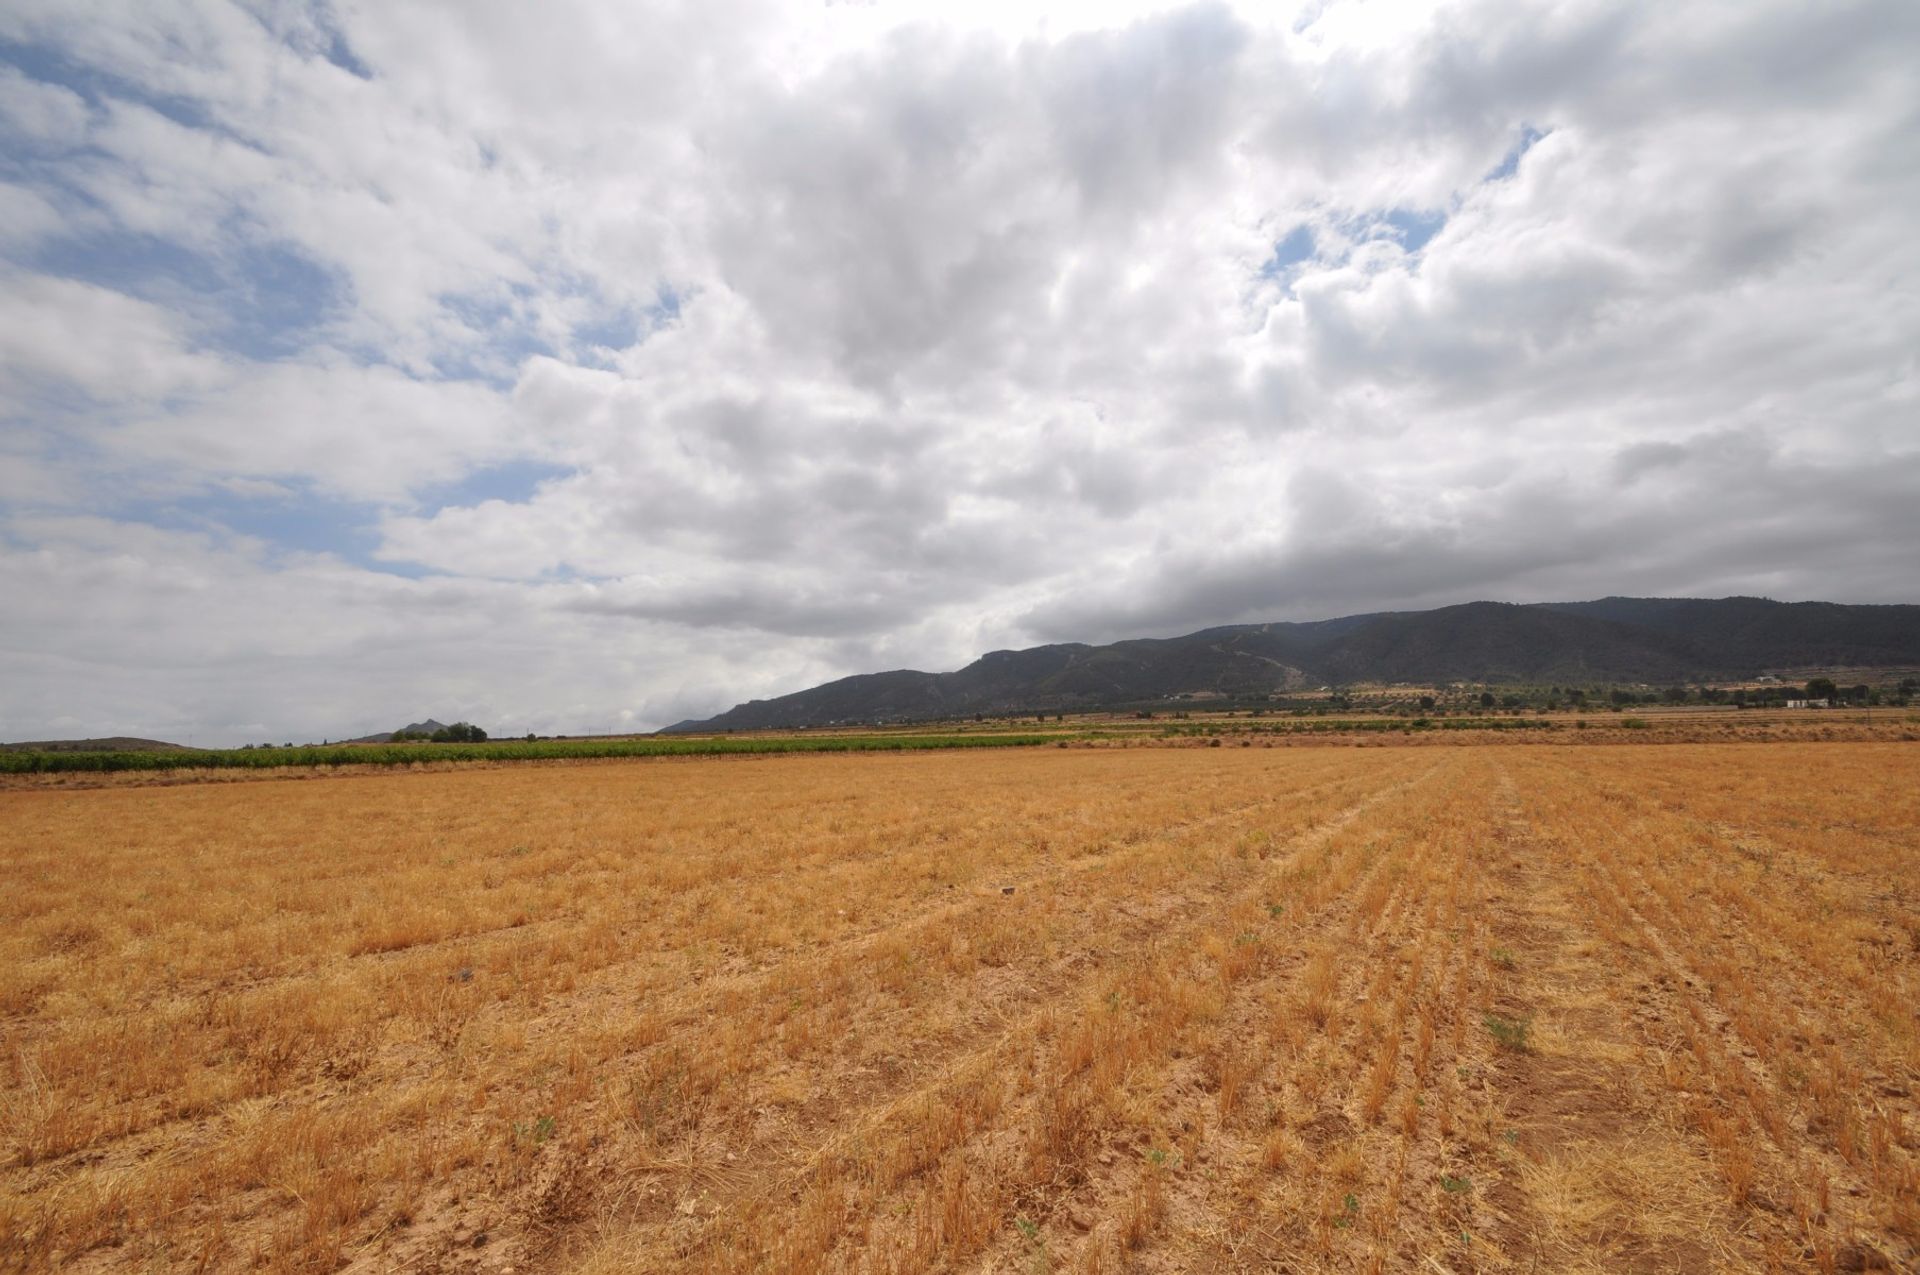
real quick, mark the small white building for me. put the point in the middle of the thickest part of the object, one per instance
(1809, 703)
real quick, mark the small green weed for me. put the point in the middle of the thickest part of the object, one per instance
(535, 1132)
(1510, 1033)
(1038, 1261)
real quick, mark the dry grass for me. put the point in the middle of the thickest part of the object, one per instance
(1081, 1010)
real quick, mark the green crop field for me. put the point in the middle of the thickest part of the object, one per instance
(504, 750)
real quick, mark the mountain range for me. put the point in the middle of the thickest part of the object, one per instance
(1612, 640)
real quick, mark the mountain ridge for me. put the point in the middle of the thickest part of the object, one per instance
(1607, 640)
(106, 744)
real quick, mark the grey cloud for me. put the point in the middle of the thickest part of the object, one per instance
(835, 612)
(1750, 519)
(915, 205)
(1630, 463)
(1134, 112)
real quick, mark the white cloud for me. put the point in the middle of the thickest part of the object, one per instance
(850, 336)
(39, 114)
(59, 335)
(360, 433)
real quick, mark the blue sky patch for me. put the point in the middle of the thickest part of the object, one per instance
(1511, 164)
(254, 297)
(296, 519)
(98, 86)
(621, 327)
(260, 300)
(1415, 227)
(615, 330)
(299, 519)
(1292, 250)
(341, 55)
(508, 339)
(515, 482)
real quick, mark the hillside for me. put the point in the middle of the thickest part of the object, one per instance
(412, 728)
(1613, 640)
(112, 744)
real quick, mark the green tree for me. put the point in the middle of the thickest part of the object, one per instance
(1822, 688)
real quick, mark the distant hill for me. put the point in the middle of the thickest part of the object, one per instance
(111, 744)
(1632, 640)
(417, 728)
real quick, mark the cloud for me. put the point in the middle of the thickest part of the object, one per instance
(59, 336)
(1716, 514)
(39, 114)
(631, 362)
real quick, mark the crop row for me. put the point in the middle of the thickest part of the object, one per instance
(1343, 725)
(508, 750)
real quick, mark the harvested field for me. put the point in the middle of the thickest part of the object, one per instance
(1451, 1008)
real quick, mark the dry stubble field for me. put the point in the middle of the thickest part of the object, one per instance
(1438, 1009)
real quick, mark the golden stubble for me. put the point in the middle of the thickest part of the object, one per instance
(1465, 1008)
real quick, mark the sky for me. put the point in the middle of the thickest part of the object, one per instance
(588, 365)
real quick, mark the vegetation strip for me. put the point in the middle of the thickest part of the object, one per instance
(508, 750)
